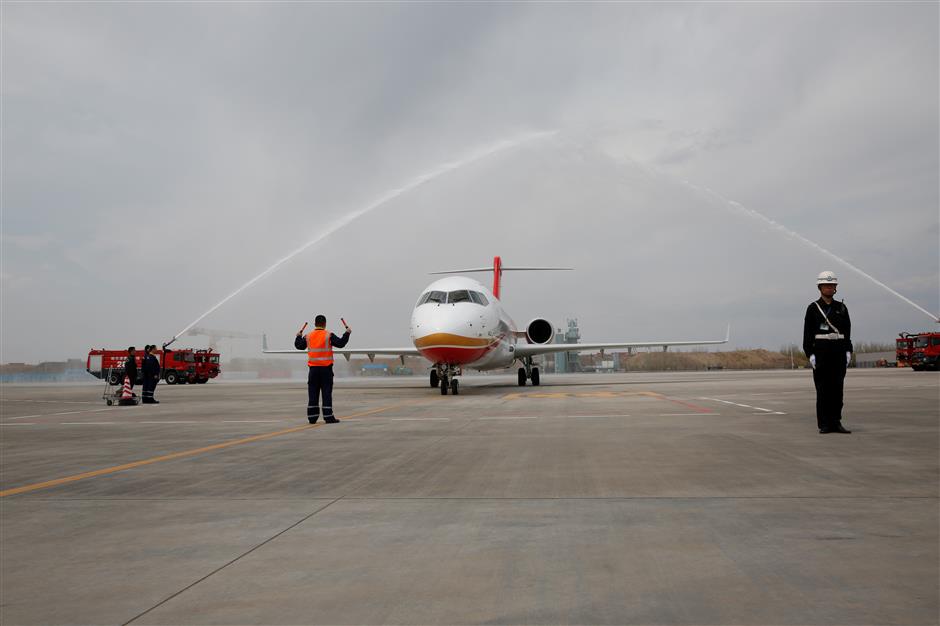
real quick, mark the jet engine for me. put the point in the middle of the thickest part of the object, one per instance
(539, 331)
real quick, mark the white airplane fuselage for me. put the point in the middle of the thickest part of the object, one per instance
(475, 333)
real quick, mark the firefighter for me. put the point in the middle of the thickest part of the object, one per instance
(151, 371)
(827, 341)
(130, 365)
(319, 344)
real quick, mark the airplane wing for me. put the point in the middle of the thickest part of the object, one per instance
(348, 352)
(532, 349)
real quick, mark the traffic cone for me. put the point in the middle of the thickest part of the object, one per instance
(127, 397)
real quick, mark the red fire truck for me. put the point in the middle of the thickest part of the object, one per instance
(904, 348)
(926, 354)
(186, 365)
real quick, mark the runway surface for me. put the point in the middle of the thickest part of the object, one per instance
(677, 498)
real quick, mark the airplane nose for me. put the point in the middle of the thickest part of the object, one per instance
(430, 320)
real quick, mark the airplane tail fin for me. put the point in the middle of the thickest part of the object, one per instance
(498, 270)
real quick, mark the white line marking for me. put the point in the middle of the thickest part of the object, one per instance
(682, 414)
(20, 424)
(564, 417)
(241, 422)
(169, 422)
(23, 417)
(84, 423)
(746, 406)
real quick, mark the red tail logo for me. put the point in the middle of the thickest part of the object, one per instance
(497, 274)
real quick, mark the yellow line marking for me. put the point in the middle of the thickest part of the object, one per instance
(176, 455)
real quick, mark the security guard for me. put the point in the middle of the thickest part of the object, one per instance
(827, 341)
(319, 344)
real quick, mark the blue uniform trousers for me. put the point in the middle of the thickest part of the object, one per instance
(320, 383)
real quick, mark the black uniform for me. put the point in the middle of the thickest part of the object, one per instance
(151, 371)
(829, 373)
(320, 381)
(130, 369)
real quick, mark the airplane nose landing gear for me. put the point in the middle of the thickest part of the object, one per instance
(528, 373)
(445, 376)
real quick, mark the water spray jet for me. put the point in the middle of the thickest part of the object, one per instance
(737, 206)
(390, 195)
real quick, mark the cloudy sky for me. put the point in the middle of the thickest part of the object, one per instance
(157, 156)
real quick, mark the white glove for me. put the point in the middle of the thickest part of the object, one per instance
(812, 360)
(848, 358)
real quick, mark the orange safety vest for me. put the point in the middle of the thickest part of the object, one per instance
(319, 349)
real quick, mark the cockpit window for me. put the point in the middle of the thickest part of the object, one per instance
(436, 297)
(458, 296)
(478, 297)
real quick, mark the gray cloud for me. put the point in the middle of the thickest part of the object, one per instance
(156, 156)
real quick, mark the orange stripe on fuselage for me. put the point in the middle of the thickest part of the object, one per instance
(451, 340)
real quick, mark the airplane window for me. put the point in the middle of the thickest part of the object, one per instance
(478, 297)
(423, 298)
(436, 297)
(458, 296)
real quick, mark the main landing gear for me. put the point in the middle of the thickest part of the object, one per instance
(444, 376)
(528, 373)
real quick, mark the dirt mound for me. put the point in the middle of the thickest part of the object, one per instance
(736, 359)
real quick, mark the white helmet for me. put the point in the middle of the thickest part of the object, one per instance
(827, 278)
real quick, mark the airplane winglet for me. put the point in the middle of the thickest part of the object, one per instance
(728, 334)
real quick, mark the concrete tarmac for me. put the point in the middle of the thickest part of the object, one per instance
(678, 498)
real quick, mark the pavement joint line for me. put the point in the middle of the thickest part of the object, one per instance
(49, 401)
(23, 417)
(175, 455)
(512, 417)
(237, 558)
(419, 419)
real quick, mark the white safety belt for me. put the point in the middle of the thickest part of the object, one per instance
(831, 325)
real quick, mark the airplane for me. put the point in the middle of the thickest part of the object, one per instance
(459, 323)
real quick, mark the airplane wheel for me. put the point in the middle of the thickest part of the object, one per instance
(522, 377)
(454, 386)
(535, 376)
(443, 386)
(435, 379)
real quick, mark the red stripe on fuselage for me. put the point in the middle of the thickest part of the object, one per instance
(452, 355)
